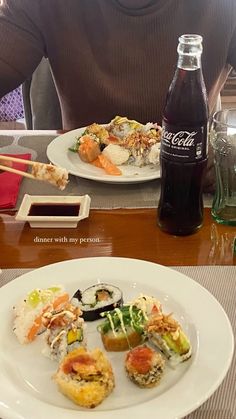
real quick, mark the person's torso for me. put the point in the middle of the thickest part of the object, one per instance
(108, 60)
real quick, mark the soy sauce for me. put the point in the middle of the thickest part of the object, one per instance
(54, 210)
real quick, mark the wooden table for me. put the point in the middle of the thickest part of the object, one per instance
(125, 233)
(131, 233)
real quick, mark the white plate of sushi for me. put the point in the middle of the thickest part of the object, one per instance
(27, 389)
(59, 154)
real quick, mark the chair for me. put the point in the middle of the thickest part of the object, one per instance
(41, 103)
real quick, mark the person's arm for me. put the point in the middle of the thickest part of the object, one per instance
(21, 42)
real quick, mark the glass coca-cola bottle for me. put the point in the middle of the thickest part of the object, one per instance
(184, 143)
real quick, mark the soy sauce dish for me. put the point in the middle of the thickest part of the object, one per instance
(53, 211)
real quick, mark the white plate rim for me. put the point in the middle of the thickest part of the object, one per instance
(57, 153)
(170, 274)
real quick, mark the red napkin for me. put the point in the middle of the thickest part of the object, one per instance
(10, 182)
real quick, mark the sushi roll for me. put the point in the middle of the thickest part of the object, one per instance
(64, 332)
(122, 329)
(144, 366)
(97, 299)
(85, 377)
(28, 312)
(57, 176)
(149, 305)
(166, 334)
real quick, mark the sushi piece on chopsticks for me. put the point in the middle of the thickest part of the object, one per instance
(57, 176)
(85, 377)
(64, 331)
(166, 334)
(28, 312)
(144, 366)
(96, 299)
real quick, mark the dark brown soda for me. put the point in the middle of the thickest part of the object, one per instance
(181, 206)
(180, 209)
(186, 102)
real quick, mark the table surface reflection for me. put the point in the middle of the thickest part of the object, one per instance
(129, 233)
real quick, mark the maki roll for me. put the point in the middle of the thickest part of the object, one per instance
(28, 312)
(97, 299)
(122, 329)
(64, 332)
(85, 377)
(165, 333)
(144, 366)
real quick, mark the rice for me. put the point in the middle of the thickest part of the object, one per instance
(24, 319)
(144, 366)
(29, 310)
(57, 176)
(64, 332)
(154, 154)
(116, 154)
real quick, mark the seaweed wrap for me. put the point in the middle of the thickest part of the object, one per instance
(97, 299)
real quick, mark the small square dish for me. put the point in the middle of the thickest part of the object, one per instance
(53, 211)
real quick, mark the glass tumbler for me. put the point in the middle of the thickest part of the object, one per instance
(223, 140)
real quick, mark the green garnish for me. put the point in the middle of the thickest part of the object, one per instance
(74, 148)
(54, 289)
(130, 315)
(33, 298)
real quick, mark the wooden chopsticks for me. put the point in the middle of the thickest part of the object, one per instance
(17, 172)
(17, 160)
(57, 176)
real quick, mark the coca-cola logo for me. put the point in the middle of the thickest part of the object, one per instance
(180, 138)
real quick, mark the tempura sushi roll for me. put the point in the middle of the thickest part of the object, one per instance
(64, 332)
(144, 366)
(28, 312)
(85, 377)
(167, 335)
(97, 299)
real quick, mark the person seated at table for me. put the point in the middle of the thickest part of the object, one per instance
(113, 57)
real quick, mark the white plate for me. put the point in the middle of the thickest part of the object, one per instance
(27, 390)
(59, 155)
